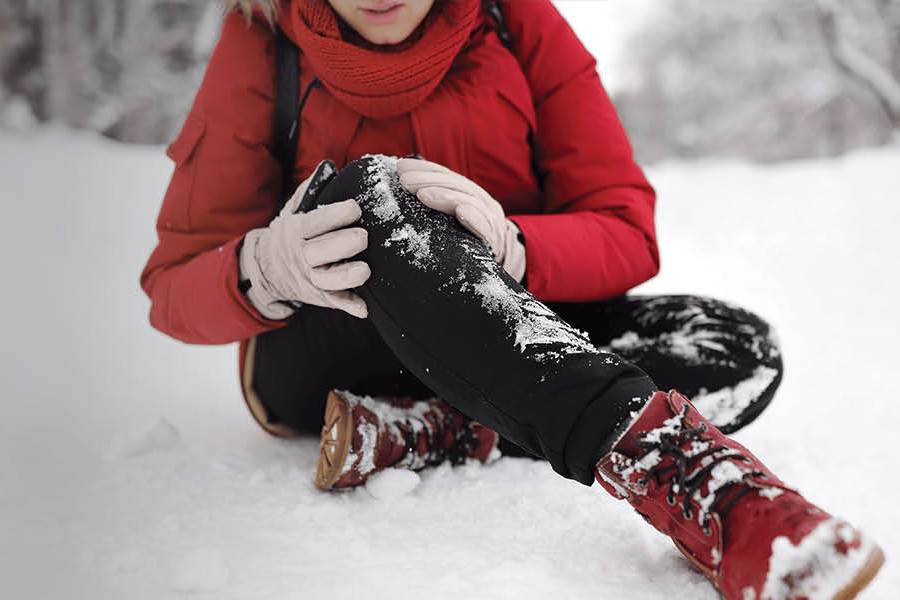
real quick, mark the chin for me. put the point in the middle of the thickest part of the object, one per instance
(386, 38)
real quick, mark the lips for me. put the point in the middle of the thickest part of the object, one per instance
(382, 8)
(384, 13)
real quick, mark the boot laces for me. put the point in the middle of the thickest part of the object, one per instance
(688, 474)
(433, 436)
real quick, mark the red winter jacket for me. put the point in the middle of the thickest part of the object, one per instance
(582, 204)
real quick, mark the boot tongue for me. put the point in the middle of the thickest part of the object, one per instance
(657, 417)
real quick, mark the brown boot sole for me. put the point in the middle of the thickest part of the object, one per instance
(334, 447)
(865, 575)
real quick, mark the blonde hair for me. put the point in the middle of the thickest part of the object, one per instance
(269, 8)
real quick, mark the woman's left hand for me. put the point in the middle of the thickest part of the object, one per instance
(442, 189)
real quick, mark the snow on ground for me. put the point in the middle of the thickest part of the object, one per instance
(129, 467)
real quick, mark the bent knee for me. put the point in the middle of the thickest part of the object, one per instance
(373, 182)
(397, 222)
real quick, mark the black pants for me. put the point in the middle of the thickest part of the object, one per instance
(446, 320)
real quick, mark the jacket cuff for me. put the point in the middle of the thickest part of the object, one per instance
(233, 278)
(252, 280)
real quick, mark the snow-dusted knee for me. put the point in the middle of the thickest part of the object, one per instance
(396, 220)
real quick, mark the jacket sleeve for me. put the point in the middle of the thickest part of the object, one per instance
(596, 239)
(225, 182)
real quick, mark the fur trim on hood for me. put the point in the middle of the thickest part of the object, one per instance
(269, 8)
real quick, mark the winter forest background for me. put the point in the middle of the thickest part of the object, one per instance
(761, 79)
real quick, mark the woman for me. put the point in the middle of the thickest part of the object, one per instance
(403, 279)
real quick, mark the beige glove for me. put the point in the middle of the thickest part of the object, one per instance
(295, 259)
(441, 189)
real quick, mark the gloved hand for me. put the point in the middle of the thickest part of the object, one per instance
(441, 189)
(296, 258)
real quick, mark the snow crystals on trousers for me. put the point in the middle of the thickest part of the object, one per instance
(727, 404)
(535, 328)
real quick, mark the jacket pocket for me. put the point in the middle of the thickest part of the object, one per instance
(184, 145)
(175, 212)
(503, 123)
(521, 100)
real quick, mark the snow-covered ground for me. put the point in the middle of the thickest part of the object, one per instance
(129, 467)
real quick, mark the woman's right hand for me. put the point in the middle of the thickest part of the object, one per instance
(296, 259)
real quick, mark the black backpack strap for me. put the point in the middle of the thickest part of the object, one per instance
(493, 9)
(287, 107)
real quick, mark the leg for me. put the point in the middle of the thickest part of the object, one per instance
(724, 357)
(297, 371)
(319, 350)
(472, 334)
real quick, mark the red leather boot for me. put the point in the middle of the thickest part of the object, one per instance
(363, 436)
(753, 537)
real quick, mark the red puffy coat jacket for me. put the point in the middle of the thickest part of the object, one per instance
(582, 204)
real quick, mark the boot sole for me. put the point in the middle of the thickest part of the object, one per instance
(863, 577)
(334, 446)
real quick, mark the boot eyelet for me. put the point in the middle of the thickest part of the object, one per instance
(670, 499)
(688, 514)
(707, 530)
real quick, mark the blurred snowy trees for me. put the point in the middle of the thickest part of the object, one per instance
(764, 79)
(127, 69)
(882, 79)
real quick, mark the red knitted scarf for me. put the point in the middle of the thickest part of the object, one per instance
(382, 83)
